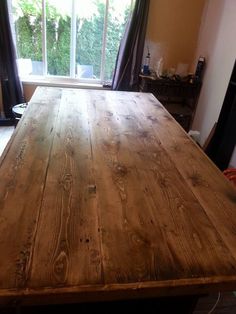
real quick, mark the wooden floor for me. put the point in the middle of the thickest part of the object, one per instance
(225, 305)
(5, 135)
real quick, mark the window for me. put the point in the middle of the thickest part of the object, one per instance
(74, 38)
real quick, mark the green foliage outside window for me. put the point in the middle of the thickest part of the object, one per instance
(89, 36)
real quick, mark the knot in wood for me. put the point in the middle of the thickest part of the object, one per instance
(92, 189)
(120, 170)
(66, 181)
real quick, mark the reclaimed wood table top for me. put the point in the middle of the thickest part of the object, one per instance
(103, 196)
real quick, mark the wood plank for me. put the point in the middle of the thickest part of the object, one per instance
(212, 190)
(67, 245)
(157, 219)
(22, 181)
(184, 220)
(125, 240)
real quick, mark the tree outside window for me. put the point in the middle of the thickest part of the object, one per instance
(73, 38)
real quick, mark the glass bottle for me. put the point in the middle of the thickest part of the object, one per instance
(146, 66)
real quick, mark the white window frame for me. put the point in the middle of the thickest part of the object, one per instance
(72, 77)
(44, 39)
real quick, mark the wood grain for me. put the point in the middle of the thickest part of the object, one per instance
(216, 195)
(23, 172)
(103, 196)
(68, 241)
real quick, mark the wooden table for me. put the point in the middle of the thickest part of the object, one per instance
(103, 196)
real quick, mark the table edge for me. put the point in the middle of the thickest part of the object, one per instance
(112, 292)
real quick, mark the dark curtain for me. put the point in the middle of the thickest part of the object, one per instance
(223, 142)
(129, 58)
(12, 93)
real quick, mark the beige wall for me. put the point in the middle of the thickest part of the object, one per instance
(173, 27)
(217, 43)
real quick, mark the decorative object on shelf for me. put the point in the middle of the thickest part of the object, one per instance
(182, 69)
(159, 67)
(171, 72)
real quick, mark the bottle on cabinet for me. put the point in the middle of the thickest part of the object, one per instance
(146, 66)
(200, 68)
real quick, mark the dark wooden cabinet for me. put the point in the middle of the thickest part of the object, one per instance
(179, 97)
